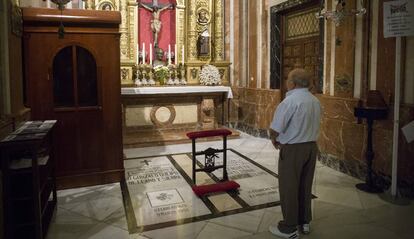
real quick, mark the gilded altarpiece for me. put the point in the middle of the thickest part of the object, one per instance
(193, 18)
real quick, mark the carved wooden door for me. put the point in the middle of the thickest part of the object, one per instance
(300, 48)
(303, 53)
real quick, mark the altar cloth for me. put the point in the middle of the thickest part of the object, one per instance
(176, 90)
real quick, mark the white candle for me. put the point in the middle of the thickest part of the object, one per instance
(175, 55)
(150, 54)
(138, 54)
(48, 3)
(169, 54)
(143, 53)
(182, 55)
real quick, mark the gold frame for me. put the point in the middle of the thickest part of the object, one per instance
(186, 35)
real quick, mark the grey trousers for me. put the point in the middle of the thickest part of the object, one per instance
(296, 171)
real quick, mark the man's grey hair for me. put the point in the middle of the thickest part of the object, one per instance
(300, 78)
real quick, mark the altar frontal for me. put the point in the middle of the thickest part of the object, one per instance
(157, 192)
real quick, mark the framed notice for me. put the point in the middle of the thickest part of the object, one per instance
(398, 18)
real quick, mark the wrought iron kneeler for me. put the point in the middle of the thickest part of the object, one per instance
(209, 162)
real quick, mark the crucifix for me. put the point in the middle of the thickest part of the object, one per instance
(155, 22)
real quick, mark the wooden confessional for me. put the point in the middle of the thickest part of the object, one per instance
(74, 78)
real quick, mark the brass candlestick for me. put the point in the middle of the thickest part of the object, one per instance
(182, 70)
(170, 75)
(151, 80)
(144, 75)
(176, 73)
(138, 76)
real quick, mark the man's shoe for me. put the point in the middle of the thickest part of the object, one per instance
(304, 228)
(275, 231)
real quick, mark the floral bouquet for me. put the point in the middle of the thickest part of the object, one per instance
(210, 75)
(161, 73)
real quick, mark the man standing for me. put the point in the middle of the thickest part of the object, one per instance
(294, 130)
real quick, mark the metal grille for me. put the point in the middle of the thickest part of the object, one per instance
(302, 25)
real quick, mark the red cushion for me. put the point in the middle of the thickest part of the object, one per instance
(208, 133)
(217, 187)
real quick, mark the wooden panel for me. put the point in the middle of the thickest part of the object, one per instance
(263, 48)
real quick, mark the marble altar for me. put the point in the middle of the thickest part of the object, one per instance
(162, 115)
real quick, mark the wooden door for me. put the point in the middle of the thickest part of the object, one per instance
(300, 47)
(303, 53)
(75, 84)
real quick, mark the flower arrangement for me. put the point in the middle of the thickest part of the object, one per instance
(161, 73)
(210, 75)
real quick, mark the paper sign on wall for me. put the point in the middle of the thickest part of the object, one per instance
(398, 18)
(408, 131)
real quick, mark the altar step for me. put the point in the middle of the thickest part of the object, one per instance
(150, 138)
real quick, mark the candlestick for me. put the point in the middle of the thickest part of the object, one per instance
(143, 53)
(175, 55)
(182, 55)
(150, 54)
(169, 54)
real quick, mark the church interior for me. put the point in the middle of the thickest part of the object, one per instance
(106, 104)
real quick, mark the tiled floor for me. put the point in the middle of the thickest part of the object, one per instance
(340, 211)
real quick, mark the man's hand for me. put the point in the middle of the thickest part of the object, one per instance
(276, 144)
(273, 135)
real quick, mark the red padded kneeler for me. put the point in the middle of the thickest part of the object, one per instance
(217, 187)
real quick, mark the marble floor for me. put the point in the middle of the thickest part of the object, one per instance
(340, 211)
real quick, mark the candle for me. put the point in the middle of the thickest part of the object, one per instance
(175, 55)
(48, 3)
(150, 54)
(138, 54)
(182, 55)
(143, 53)
(169, 54)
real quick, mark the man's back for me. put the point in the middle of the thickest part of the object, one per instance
(297, 118)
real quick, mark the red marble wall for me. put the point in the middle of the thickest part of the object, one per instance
(253, 108)
(167, 33)
(341, 136)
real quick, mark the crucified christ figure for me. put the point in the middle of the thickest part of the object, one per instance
(155, 22)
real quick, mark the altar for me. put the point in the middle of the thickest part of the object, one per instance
(162, 115)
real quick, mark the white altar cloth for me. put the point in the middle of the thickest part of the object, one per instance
(176, 90)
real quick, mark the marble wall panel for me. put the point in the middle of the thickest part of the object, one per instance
(253, 41)
(254, 109)
(342, 140)
(338, 108)
(141, 115)
(385, 60)
(345, 54)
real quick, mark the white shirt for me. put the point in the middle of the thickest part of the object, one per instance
(297, 117)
